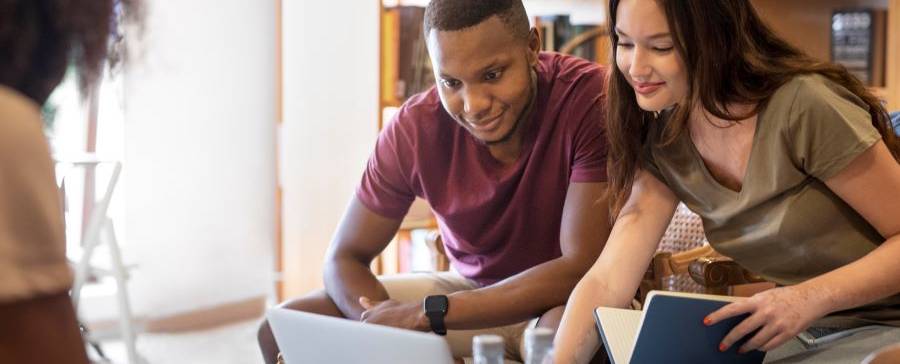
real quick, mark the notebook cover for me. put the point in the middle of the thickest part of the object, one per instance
(672, 331)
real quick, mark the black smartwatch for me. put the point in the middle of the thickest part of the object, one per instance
(435, 310)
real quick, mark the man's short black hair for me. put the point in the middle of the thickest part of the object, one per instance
(450, 15)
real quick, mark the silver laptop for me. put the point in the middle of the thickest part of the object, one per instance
(309, 338)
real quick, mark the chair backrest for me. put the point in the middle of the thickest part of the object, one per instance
(435, 244)
(683, 242)
(685, 232)
(685, 262)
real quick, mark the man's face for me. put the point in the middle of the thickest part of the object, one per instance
(484, 77)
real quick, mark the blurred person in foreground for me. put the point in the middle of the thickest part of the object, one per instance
(39, 41)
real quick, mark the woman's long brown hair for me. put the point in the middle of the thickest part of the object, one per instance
(731, 57)
(40, 39)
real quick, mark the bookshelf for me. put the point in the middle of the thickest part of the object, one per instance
(807, 25)
(585, 11)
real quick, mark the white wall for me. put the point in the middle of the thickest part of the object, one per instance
(330, 124)
(200, 155)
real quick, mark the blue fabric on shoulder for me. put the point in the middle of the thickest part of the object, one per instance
(895, 119)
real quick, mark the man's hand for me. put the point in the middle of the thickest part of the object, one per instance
(776, 315)
(409, 316)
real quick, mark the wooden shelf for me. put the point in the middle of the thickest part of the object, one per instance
(581, 11)
(807, 23)
(892, 63)
(391, 103)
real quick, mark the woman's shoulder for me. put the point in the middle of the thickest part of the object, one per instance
(20, 123)
(814, 90)
(13, 103)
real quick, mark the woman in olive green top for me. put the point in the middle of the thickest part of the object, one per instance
(790, 162)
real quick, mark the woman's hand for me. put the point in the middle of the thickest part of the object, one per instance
(778, 314)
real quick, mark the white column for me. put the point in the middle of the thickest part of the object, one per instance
(200, 155)
(330, 124)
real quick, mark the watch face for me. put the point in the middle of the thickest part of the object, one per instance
(436, 304)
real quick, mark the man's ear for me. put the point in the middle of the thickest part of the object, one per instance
(534, 46)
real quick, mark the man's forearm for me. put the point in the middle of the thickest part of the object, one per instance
(515, 299)
(346, 280)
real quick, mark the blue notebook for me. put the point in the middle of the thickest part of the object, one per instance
(670, 329)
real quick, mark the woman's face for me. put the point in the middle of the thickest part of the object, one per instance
(646, 55)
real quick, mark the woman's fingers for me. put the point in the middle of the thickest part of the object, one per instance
(743, 329)
(763, 336)
(728, 311)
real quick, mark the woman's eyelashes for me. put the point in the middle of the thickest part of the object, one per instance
(658, 49)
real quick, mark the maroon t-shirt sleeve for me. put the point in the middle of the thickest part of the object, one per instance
(589, 163)
(385, 187)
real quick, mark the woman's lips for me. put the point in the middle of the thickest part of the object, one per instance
(645, 88)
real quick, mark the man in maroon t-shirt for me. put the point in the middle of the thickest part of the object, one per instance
(508, 150)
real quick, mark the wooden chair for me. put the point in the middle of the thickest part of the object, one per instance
(685, 262)
(435, 244)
